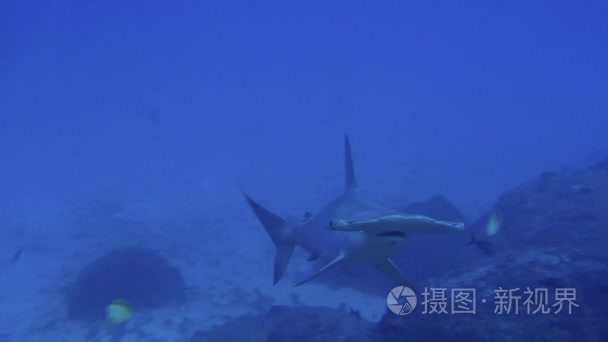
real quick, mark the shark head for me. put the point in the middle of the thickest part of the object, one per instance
(396, 224)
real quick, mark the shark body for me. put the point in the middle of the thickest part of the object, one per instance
(352, 228)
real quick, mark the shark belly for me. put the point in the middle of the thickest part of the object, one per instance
(318, 238)
(363, 249)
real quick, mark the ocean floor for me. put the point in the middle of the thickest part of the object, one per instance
(224, 256)
(226, 261)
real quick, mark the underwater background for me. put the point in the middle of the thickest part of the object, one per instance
(128, 130)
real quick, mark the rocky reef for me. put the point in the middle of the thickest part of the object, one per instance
(283, 323)
(136, 275)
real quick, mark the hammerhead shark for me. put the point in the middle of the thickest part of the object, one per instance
(351, 229)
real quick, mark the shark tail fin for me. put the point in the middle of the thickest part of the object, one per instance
(350, 180)
(281, 234)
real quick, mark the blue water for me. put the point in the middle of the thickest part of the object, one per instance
(163, 109)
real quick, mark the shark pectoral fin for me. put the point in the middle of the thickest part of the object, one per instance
(314, 256)
(391, 270)
(334, 262)
(281, 259)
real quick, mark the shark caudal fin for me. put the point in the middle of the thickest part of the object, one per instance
(280, 233)
(350, 181)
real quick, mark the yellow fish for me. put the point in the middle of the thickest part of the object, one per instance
(493, 225)
(118, 312)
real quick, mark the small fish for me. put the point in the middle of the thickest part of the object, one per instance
(494, 223)
(17, 254)
(484, 245)
(119, 312)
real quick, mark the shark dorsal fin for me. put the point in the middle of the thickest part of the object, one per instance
(350, 181)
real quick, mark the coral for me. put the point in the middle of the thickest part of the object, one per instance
(136, 275)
